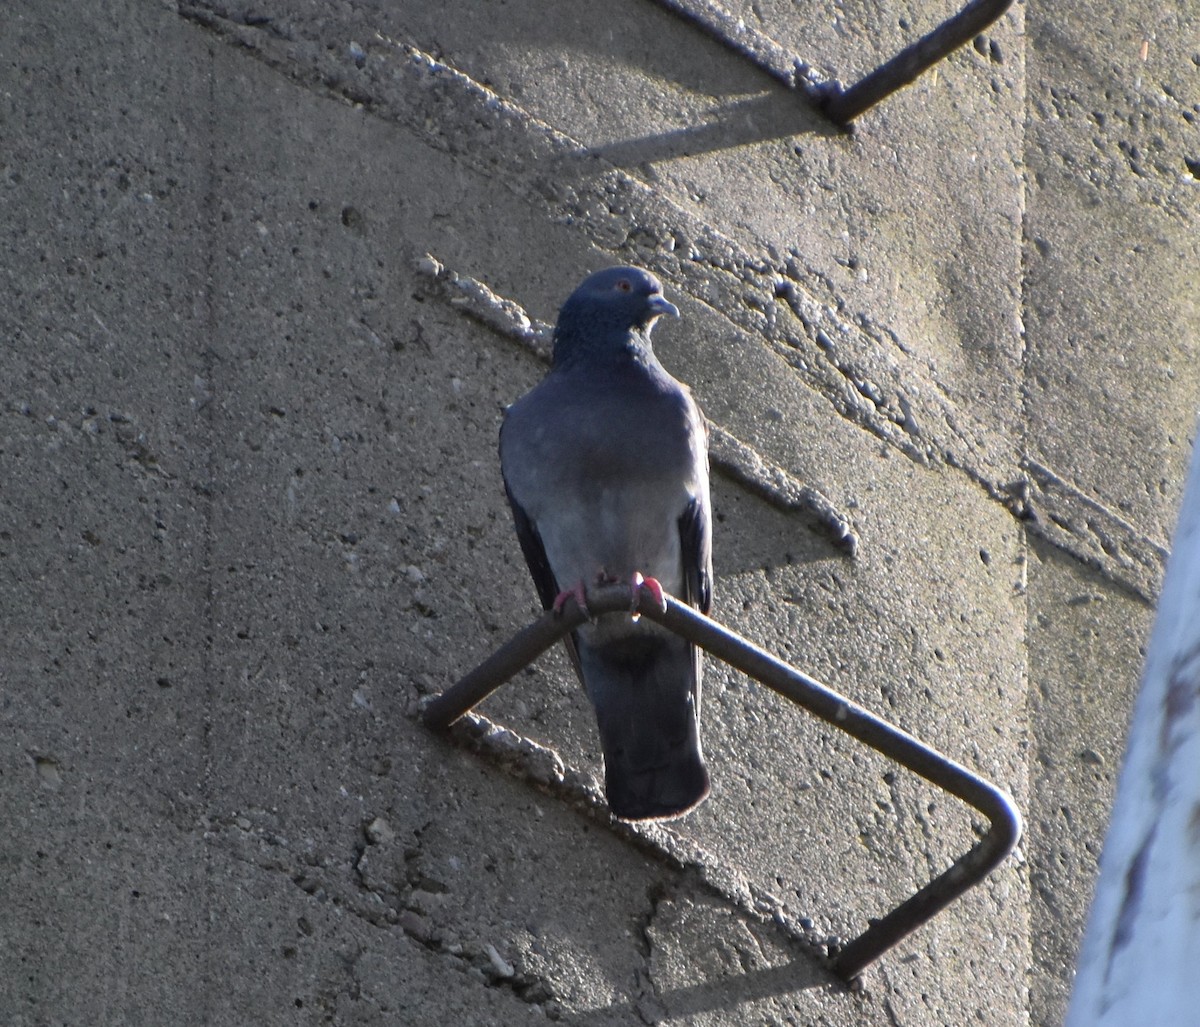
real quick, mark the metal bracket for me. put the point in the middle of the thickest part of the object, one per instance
(840, 104)
(995, 804)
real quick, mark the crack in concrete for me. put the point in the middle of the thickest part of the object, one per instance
(69, 427)
(252, 838)
(649, 1005)
(848, 364)
(540, 766)
(1074, 522)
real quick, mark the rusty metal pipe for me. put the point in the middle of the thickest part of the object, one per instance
(835, 709)
(840, 105)
(921, 759)
(517, 653)
(844, 106)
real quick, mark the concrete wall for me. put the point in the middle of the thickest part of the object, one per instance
(250, 508)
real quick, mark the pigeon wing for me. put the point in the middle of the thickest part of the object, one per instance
(539, 568)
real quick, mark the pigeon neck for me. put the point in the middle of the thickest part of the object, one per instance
(613, 351)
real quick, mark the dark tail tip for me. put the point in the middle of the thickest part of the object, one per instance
(659, 794)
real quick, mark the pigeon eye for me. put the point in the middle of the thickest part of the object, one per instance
(624, 285)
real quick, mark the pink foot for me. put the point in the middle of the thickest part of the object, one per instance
(575, 592)
(637, 583)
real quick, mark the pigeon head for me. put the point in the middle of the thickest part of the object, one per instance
(609, 311)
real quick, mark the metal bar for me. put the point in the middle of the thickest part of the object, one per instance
(732, 32)
(442, 710)
(844, 106)
(836, 710)
(900, 746)
(840, 105)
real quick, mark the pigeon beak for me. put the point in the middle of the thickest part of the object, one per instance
(659, 304)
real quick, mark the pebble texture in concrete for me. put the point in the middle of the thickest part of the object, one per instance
(251, 510)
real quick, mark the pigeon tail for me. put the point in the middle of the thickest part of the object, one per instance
(646, 692)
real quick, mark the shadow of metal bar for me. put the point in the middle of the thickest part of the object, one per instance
(844, 106)
(841, 105)
(967, 871)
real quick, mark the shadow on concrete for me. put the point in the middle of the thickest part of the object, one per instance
(755, 536)
(730, 994)
(771, 115)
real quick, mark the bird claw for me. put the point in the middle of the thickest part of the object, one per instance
(575, 592)
(637, 584)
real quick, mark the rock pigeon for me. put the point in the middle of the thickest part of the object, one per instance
(605, 464)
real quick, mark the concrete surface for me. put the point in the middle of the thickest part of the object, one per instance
(251, 510)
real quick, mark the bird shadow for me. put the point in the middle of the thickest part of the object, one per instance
(774, 114)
